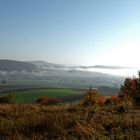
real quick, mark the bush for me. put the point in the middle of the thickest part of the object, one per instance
(122, 109)
(115, 99)
(100, 100)
(90, 98)
(127, 101)
(131, 88)
(45, 100)
(10, 98)
(108, 102)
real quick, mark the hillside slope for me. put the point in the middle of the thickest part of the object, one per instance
(12, 65)
(42, 64)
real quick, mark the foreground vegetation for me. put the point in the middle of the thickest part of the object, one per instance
(68, 122)
(93, 118)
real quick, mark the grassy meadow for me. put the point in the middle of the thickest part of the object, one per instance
(27, 91)
(68, 122)
(29, 96)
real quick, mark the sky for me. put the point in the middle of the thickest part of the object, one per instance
(72, 32)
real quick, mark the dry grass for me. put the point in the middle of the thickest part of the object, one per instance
(67, 122)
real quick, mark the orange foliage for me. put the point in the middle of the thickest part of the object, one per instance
(100, 100)
(115, 99)
(44, 100)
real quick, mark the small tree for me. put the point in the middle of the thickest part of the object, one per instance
(131, 88)
(12, 98)
(90, 98)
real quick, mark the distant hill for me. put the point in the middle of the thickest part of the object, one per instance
(55, 75)
(110, 67)
(104, 67)
(12, 65)
(42, 64)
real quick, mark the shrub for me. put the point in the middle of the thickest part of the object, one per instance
(45, 100)
(100, 100)
(10, 98)
(90, 98)
(108, 102)
(131, 88)
(122, 109)
(4, 99)
(127, 101)
(115, 99)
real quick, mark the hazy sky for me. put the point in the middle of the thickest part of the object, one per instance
(83, 32)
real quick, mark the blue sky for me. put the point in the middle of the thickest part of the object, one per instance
(83, 32)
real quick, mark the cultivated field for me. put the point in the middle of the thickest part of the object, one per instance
(30, 95)
(27, 91)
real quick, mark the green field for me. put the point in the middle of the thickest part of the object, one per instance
(29, 96)
(27, 91)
